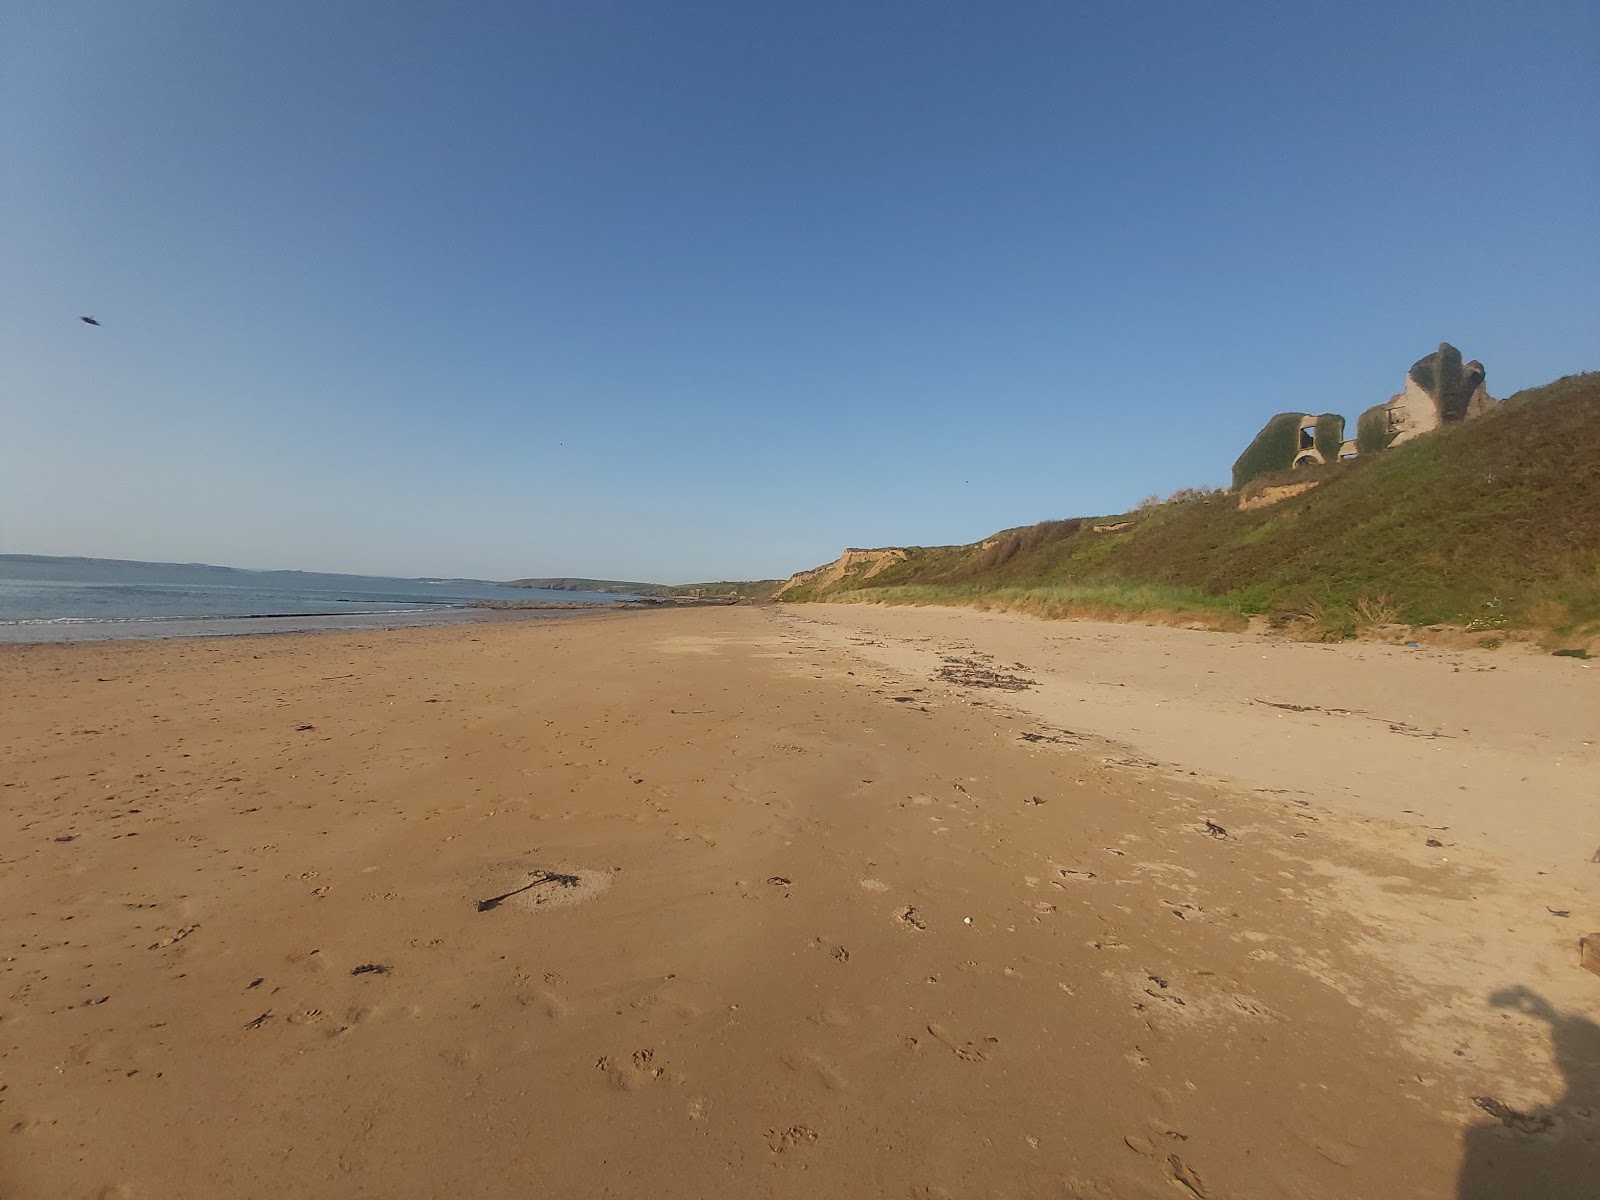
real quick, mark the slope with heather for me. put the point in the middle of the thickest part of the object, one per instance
(1489, 524)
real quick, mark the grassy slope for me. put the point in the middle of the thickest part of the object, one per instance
(1491, 523)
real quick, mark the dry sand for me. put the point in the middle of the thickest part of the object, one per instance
(775, 911)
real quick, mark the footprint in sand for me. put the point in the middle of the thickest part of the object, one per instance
(816, 1066)
(549, 1003)
(912, 917)
(794, 1137)
(965, 1051)
(633, 1074)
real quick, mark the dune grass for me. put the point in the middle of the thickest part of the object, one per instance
(1106, 601)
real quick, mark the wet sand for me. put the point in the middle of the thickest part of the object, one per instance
(750, 902)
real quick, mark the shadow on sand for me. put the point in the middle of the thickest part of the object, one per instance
(1550, 1153)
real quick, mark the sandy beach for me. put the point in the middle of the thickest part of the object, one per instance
(797, 901)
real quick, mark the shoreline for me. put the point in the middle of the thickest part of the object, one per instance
(74, 630)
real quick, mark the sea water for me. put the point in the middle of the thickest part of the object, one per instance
(71, 599)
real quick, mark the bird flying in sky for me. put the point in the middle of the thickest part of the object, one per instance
(88, 320)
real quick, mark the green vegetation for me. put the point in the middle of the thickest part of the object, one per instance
(1273, 449)
(1330, 436)
(755, 589)
(587, 585)
(1110, 600)
(743, 589)
(1488, 524)
(1372, 430)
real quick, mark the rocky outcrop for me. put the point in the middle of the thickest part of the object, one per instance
(857, 564)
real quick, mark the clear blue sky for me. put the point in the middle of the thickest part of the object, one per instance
(687, 290)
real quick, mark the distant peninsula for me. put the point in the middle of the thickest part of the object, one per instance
(606, 586)
(736, 589)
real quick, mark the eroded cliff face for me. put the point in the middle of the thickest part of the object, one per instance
(857, 564)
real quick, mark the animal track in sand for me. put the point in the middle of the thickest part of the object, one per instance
(833, 948)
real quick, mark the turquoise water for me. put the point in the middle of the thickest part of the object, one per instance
(69, 599)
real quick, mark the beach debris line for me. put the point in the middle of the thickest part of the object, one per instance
(1400, 727)
(975, 672)
(1058, 737)
(561, 879)
(1316, 708)
(1409, 730)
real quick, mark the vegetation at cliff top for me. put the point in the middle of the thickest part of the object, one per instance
(756, 589)
(1271, 450)
(1489, 524)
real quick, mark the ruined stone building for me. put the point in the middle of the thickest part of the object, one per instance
(1439, 389)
